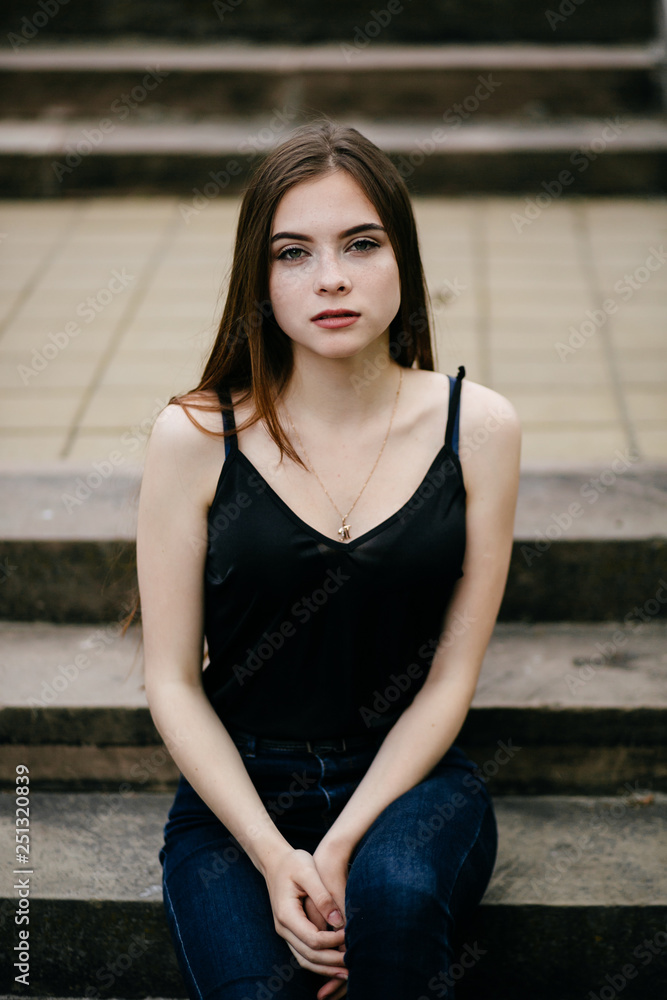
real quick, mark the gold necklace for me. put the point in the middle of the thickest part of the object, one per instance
(344, 530)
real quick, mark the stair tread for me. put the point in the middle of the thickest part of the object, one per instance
(230, 136)
(527, 666)
(554, 851)
(272, 58)
(632, 506)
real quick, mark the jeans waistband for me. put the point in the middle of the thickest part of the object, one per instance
(339, 743)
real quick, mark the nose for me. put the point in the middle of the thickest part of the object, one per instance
(331, 275)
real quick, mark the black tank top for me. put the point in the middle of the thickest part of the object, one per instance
(310, 637)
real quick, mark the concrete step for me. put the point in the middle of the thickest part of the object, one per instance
(168, 82)
(301, 21)
(564, 708)
(579, 893)
(590, 542)
(610, 155)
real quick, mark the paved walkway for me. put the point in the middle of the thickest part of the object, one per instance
(108, 306)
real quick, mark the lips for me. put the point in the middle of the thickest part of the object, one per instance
(334, 313)
(335, 319)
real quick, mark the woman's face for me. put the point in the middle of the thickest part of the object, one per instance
(334, 282)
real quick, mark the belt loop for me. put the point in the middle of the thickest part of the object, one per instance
(251, 745)
(344, 746)
(309, 747)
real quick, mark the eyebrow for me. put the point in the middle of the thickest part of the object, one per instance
(363, 228)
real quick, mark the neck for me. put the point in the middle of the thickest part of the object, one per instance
(340, 393)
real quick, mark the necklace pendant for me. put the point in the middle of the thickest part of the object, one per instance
(344, 530)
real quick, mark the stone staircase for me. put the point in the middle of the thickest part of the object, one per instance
(184, 97)
(568, 722)
(567, 725)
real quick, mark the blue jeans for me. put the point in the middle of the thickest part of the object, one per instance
(415, 877)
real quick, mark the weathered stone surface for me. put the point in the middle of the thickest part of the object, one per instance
(579, 885)
(496, 158)
(586, 705)
(301, 22)
(379, 81)
(573, 559)
(622, 503)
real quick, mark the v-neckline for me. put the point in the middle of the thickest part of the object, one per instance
(354, 542)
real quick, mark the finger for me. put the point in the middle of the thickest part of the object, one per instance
(293, 919)
(340, 910)
(336, 886)
(314, 914)
(315, 965)
(322, 898)
(333, 990)
(318, 919)
(327, 962)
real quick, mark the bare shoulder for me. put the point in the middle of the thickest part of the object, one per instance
(180, 452)
(480, 407)
(174, 421)
(483, 407)
(175, 427)
(489, 442)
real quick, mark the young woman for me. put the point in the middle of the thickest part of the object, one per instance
(334, 519)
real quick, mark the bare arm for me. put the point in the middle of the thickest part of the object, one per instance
(180, 473)
(170, 563)
(429, 725)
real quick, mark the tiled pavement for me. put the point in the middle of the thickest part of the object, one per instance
(108, 306)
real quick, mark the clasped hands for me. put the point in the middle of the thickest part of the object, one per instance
(307, 894)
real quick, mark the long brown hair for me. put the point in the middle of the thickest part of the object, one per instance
(251, 353)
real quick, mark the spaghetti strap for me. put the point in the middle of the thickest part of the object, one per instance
(452, 431)
(228, 423)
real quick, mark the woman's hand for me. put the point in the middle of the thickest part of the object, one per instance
(332, 865)
(293, 878)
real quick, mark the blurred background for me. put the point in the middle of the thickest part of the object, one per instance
(533, 139)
